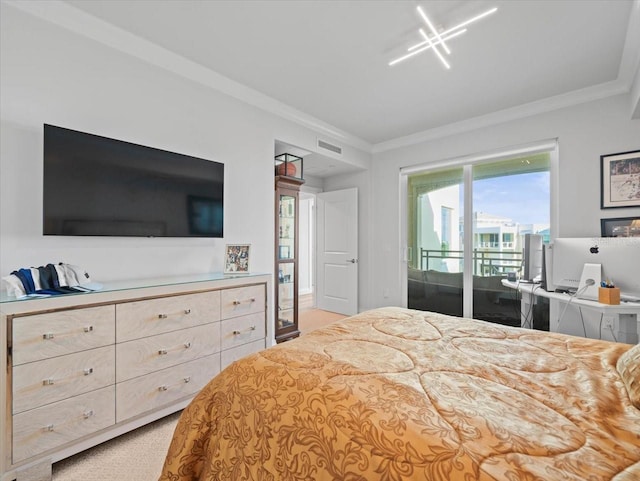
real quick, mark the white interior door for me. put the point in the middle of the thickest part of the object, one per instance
(337, 251)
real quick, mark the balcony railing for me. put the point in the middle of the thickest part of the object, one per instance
(484, 263)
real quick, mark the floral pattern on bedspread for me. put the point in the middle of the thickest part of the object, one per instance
(394, 394)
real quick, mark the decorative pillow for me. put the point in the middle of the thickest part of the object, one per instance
(629, 368)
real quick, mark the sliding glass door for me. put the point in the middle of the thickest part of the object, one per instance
(435, 205)
(466, 229)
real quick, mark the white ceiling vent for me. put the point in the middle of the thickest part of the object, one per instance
(327, 146)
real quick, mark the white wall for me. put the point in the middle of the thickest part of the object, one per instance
(584, 133)
(50, 75)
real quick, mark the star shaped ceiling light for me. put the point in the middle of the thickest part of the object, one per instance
(437, 40)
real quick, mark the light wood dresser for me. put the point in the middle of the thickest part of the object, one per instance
(80, 369)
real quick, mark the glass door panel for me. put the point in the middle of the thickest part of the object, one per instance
(286, 296)
(435, 208)
(511, 198)
(287, 231)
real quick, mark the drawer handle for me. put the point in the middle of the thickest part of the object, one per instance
(88, 414)
(237, 303)
(163, 352)
(163, 388)
(47, 336)
(48, 427)
(237, 333)
(47, 382)
(187, 379)
(88, 371)
(162, 316)
(187, 311)
(88, 329)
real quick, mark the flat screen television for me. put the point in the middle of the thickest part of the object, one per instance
(97, 186)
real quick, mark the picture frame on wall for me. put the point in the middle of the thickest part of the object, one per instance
(620, 180)
(620, 227)
(236, 258)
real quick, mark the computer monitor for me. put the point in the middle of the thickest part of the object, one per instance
(618, 256)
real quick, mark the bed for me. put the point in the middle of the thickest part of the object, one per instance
(397, 394)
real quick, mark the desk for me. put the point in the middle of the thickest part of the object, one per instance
(625, 315)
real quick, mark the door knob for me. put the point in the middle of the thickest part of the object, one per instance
(353, 261)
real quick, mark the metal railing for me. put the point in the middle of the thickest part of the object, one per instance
(484, 263)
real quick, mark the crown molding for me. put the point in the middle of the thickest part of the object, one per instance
(71, 18)
(66, 16)
(589, 94)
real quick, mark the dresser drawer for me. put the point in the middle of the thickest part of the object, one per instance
(156, 316)
(142, 356)
(242, 330)
(240, 301)
(42, 336)
(157, 389)
(53, 425)
(232, 355)
(51, 380)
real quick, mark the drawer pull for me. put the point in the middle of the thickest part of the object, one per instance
(48, 335)
(88, 414)
(48, 427)
(237, 303)
(88, 329)
(187, 311)
(237, 333)
(162, 316)
(163, 352)
(163, 388)
(47, 382)
(88, 371)
(187, 379)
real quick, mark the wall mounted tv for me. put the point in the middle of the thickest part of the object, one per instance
(96, 186)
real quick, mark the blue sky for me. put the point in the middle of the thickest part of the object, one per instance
(523, 198)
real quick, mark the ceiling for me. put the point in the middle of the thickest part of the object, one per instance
(324, 63)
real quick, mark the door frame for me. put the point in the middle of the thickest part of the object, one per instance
(310, 193)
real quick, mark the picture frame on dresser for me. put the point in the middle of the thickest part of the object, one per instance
(620, 180)
(236, 258)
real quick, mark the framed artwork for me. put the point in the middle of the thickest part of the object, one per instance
(620, 180)
(620, 227)
(236, 258)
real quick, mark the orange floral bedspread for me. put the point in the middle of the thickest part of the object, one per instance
(395, 394)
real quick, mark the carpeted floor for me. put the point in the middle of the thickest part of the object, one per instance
(135, 456)
(139, 455)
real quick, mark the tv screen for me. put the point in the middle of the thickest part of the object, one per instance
(96, 186)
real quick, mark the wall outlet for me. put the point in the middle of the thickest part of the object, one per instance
(607, 323)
